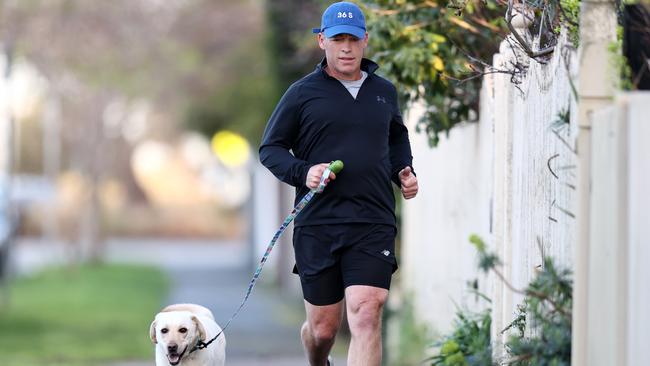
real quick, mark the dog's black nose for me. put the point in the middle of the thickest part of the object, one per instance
(172, 348)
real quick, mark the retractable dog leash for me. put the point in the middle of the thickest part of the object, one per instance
(335, 167)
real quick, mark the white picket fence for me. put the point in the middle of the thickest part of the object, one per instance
(509, 178)
(618, 294)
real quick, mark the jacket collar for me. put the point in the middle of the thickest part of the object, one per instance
(367, 65)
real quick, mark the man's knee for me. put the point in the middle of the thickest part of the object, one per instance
(364, 313)
(323, 321)
(323, 332)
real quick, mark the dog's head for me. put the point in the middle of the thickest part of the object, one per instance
(176, 333)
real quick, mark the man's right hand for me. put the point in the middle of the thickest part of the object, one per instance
(315, 173)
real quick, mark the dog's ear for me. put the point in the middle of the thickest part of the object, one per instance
(152, 332)
(199, 327)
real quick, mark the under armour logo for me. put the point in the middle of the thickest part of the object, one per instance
(386, 252)
(381, 99)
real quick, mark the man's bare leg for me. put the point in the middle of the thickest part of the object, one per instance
(319, 331)
(364, 308)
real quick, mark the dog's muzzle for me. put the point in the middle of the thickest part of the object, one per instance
(173, 356)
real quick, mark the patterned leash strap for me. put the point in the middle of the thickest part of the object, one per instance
(335, 166)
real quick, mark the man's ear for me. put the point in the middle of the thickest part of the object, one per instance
(321, 41)
(199, 328)
(152, 332)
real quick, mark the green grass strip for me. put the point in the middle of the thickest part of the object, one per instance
(87, 315)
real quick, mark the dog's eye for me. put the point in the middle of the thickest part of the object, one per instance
(164, 330)
(183, 330)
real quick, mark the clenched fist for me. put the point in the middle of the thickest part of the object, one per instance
(315, 173)
(409, 183)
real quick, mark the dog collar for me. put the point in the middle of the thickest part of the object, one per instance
(201, 345)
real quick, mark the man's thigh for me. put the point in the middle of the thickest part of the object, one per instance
(319, 270)
(370, 261)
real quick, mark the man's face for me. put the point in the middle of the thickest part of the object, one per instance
(343, 53)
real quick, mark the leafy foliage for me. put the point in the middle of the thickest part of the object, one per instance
(437, 51)
(619, 63)
(570, 13)
(544, 319)
(487, 260)
(542, 325)
(550, 16)
(634, 16)
(469, 344)
(423, 46)
(547, 308)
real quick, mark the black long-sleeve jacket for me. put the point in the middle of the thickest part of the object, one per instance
(317, 121)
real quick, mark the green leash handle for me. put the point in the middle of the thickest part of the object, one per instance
(336, 166)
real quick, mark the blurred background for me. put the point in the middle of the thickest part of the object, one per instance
(129, 177)
(129, 146)
(142, 118)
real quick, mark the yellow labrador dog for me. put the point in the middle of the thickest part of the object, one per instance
(178, 328)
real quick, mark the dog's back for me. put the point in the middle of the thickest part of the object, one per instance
(192, 308)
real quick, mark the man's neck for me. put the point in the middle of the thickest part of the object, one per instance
(353, 77)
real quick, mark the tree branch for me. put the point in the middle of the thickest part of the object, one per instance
(539, 295)
(522, 42)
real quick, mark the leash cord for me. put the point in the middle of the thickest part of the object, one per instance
(296, 210)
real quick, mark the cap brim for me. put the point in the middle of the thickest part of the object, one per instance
(345, 29)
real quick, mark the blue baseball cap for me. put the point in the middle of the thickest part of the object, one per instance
(342, 17)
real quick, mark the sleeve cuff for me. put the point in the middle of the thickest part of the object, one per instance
(302, 176)
(395, 176)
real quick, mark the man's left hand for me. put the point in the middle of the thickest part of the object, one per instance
(409, 183)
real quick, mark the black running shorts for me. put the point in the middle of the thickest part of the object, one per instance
(329, 258)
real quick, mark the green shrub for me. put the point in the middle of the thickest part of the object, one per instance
(469, 343)
(545, 335)
(542, 327)
(544, 319)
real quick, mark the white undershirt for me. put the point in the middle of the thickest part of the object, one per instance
(353, 86)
